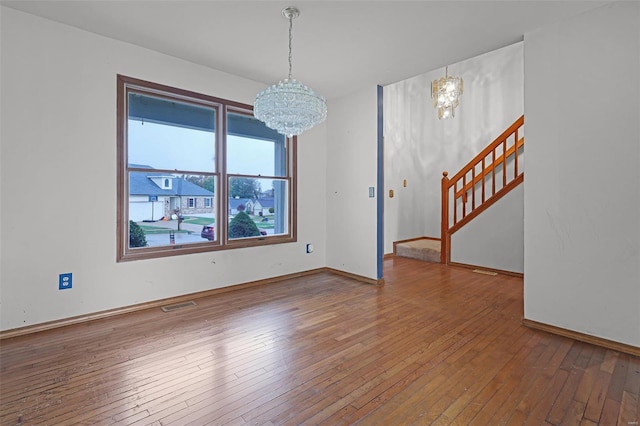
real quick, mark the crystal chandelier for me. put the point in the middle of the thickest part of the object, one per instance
(446, 94)
(290, 107)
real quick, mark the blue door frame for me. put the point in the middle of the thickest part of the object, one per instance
(380, 184)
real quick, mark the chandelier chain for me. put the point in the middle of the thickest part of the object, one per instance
(290, 43)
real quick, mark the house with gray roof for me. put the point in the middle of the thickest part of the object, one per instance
(253, 206)
(247, 204)
(265, 205)
(157, 195)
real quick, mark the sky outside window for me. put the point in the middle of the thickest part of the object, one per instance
(169, 147)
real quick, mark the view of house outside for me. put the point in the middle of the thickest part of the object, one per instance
(173, 205)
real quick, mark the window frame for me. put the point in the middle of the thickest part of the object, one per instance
(222, 107)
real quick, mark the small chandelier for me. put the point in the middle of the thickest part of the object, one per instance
(290, 107)
(446, 94)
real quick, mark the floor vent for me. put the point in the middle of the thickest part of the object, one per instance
(481, 271)
(171, 308)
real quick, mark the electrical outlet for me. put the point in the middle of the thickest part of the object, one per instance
(65, 281)
(309, 248)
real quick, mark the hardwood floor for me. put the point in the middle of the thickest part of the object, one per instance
(434, 345)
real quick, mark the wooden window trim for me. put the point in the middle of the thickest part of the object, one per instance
(220, 201)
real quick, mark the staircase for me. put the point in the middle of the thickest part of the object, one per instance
(489, 176)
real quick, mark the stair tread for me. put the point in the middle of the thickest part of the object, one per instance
(422, 244)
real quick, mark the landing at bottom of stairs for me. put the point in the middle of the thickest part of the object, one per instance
(422, 249)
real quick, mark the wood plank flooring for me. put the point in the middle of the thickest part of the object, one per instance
(435, 345)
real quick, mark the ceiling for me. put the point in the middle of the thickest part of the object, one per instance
(338, 46)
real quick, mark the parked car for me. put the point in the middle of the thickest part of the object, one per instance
(208, 232)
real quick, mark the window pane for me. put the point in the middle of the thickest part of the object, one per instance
(254, 149)
(178, 213)
(156, 138)
(261, 210)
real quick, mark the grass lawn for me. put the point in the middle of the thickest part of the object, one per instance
(196, 220)
(263, 225)
(156, 230)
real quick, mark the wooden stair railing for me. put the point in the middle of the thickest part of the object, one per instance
(477, 181)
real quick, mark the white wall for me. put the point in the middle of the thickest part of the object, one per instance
(582, 186)
(58, 179)
(419, 147)
(352, 142)
(494, 239)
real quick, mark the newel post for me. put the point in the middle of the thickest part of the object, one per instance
(444, 229)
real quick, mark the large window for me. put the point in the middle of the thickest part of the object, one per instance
(198, 173)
